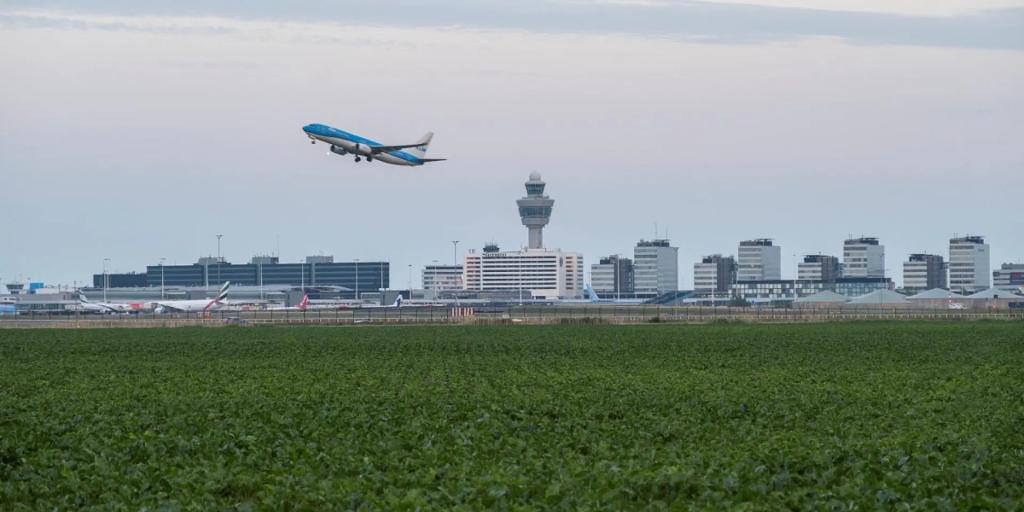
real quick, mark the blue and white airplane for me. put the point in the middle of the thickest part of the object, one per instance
(344, 143)
(597, 299)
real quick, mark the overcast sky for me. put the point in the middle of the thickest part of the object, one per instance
(135, 131)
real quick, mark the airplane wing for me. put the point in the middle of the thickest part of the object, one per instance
(432, 159)
(386, 149)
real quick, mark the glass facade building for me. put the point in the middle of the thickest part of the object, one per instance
(367, 276)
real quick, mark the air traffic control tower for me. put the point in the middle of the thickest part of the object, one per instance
(535, 210)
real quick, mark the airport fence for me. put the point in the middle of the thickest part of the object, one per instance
(529, 314)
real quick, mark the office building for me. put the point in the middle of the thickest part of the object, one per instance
(612, 276)
(1009, 277)
(542, 273)
(968, 264)
(126, 280)
(788, 289)
(758, 260)
(367, 276)
(442, 278)
(655, 268)
(775, 289)
(863, 257)
(714, 273)
(923, 272)
(818, 267)
(858, 286)
(535, 210)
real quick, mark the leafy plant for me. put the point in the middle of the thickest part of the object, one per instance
(840, 416)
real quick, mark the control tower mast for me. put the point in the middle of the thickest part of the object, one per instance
(535, 210)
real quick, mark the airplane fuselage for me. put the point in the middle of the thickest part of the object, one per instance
(188, 306)
(343, 142)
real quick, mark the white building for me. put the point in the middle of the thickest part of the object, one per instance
(759, 260)
(818, 267)
(1009, 276)
(714, 273)
(924, 272)
(442, 278)
(612, 275)
(655, 267)
(863, 257)
(544, 273)
(968, 264)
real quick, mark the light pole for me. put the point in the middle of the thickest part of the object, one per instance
(382, 288)
(106, 280)
(218, 259)
(455, 252)
(162, 260)
(410, 280)
(357, 278)
(433, 280)
(519, 277)
(619, 275)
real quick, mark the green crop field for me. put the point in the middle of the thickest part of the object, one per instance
(839, 417)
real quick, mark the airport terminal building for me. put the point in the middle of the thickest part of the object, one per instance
(316, 271)
(543, 273)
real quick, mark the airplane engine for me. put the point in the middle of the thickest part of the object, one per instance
(338, 150)
(362, 149)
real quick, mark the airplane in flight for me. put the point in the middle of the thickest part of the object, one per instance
(194, 306)
(345, 143)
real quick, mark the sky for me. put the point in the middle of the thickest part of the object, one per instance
(136, 131)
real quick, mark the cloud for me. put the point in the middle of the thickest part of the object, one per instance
(940, 8)
(948, 23)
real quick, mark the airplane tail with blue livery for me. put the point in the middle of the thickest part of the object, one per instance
(420, 149)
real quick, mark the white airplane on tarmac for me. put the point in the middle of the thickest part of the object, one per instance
(594, 298)
(194, 306)
(394, 305)
(344, 143)
(105, 307)
(303, 305)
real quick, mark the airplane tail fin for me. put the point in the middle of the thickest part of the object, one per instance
(223, 294)
(590, 291)
(398, 302)
(82, 298)
(304, 303)
(420, 150)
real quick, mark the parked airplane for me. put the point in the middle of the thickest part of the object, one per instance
(595, 298)
(104, 307)
(344, 143)
(396, 304)
(301, 306)
(194, 306)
